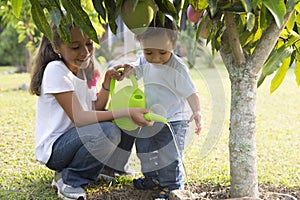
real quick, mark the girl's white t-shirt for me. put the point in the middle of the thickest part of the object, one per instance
(51, 119)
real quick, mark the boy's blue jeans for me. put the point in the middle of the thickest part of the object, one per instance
(81, 152)
(159, 155)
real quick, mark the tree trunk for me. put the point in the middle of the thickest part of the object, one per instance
(242, 142)
(243, 70)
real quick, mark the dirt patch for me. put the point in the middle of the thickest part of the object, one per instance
(203, 192)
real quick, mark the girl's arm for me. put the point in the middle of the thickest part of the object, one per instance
(103, 96)
(194, 102)
(71, 105)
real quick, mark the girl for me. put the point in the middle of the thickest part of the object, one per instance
(73, 134)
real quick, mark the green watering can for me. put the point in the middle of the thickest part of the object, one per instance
(128, 97)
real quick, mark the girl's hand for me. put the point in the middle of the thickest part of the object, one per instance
(198, 121)
(137, 116)
(112, 73)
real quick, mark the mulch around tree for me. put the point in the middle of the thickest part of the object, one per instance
(203, 192)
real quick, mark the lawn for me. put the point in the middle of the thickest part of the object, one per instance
(206, 157)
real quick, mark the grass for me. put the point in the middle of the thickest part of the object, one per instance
(278, 137)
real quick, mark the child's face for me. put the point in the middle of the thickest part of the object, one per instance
(78, 53)
(157, 49)
(156, 56)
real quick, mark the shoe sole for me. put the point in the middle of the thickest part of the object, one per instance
(61, 196)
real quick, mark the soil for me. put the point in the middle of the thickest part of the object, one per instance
(203, 192)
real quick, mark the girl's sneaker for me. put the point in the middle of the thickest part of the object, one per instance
(67, 192)
(146, 183)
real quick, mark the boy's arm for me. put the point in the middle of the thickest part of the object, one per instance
(194, 102)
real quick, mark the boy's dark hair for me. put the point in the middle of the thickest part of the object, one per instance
(157, 27)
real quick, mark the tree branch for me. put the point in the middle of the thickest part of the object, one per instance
(266, 44)
(233, 37)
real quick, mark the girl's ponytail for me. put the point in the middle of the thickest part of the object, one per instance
(44, 55)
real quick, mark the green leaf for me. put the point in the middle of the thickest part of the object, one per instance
(55, 16)
(261, 79)
(293, 37)
(111, 13)
(80, 17)
(290, 5)
(250, 21)
(16, 7)
(258, 32)
(255, 3)
(213, 7)
(290, 23)
(278, 10)
(161, 17)
(297, 72)
(263, 18)
(297, 20)
(64, 30)
(200, 5)
(297, 7)
(275, 59)
(280, 74)
(167, 7)
(247, 5)
(98, 5)
(39, 19)
(50, 4)
(64, 33)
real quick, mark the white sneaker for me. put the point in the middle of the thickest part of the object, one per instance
(67, 192)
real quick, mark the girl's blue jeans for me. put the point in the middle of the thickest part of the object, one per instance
(81, 152)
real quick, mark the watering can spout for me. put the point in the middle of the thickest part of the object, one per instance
(155, 118)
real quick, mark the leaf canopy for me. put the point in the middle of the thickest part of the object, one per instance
(252, 18)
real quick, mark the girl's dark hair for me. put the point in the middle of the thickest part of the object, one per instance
(46, 54)
(43, 56)
(157, 27)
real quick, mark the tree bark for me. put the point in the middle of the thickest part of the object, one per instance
(243, 71)
(242, 140)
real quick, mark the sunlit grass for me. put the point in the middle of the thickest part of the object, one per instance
(278, 138)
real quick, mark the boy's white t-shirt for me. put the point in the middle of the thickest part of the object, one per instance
(167, 87)
(51, 119)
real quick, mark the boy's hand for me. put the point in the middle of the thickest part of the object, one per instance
(198, 121)
(128, 70)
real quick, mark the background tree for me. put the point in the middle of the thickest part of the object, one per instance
(17, 25)
(12, 53)
(252, 36)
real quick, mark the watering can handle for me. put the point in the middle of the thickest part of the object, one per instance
(113, 83)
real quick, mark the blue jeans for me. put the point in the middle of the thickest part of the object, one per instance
(159, 155)
(120, 157)
(81, 152)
